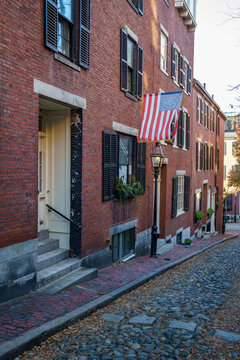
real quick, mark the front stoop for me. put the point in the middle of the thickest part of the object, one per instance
(56, 271)
(163, 247)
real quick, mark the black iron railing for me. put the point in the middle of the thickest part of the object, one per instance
(50, 208)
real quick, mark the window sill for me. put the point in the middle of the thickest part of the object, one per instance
(163, 143)
(164, 71)
(184, 149)
(130, 96)
(175, 147)
(180, 213)
(129, 257)
(67, 62)
(176, 83)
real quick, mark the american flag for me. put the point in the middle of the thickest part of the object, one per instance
(159, 111)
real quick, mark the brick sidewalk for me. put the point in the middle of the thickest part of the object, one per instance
(21, 315)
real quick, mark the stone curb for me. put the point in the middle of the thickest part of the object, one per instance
(13, 348)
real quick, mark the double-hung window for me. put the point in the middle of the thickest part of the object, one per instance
(164, 50)
(180, 195)
(183, 130)
(123, 157)
(131, 65)
(61, 30)
(180, 70)
(123, 245)
(137, 5)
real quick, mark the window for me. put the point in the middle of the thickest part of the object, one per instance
(197, 204)
(205, 114)
(224, 172)
(229, 202)
(199, 110)
(180, 197)
(225, 148)
(211, 158)
(137, 5)
(123, 245)
(205, 157)
(125, 159)
(60, 29)
(164, 46)
(234, 144)
(131, 66)
(181, 72)
(185, 79)
(122, 157)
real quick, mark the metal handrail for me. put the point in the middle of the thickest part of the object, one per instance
(65, 217)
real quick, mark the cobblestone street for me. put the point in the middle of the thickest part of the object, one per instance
(182, 314)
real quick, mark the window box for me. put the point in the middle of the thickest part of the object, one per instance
(128, 191)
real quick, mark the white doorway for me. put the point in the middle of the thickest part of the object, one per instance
(213, 215)
(54, 170)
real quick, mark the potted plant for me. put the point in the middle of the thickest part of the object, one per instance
(210, 212)
(199, 215)
(128, 191)
(187, 242)
(207, 235)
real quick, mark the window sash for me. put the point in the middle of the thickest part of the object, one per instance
(125, 157)
(180, 194)
(164, 42)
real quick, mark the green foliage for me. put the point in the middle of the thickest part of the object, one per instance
(234, 175)
(199, 215)
(217, 204)
(128, 191)
(210, 211)
(187, 241)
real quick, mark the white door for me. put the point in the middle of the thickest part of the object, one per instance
(58, 124)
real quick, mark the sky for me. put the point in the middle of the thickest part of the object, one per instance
(217, 51)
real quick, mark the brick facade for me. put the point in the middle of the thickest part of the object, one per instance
(24, 59)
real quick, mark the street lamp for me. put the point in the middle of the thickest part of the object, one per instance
(224, 196)
(157, 161)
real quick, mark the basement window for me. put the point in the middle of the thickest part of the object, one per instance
(123, 245)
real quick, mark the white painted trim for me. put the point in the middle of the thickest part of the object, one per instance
(176, 47)
(205, 181)
(164, 30)
(55, 93)
(198, 191)
(198, 139)
(185, 109)
(124, 129)
(180, 172)
(181, 212)
(179, 230)
(131, 34)
(67, 62)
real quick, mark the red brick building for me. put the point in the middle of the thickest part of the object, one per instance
(72, 78)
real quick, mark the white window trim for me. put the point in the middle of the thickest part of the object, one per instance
(131, 34)
(165, 33)
(124, 129)
(164, 30)
(180, 172)
(181, 210)
(179, 230)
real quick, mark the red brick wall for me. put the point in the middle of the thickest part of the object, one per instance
(24, 57)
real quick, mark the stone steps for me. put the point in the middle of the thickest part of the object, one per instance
(56, 270)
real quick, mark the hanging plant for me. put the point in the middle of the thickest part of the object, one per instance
(128, 191)
(199, 215)
(210, 212)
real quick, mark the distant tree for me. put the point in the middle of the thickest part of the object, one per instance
(234, 175)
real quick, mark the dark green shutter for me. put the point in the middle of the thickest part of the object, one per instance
(179, 129)
(173, 62)
(197, 117)
(194, 208)
(51, 24)
(139, 70)
(124, 65)
(140, 6)
(197, 149)
(85, 30)
(201, 156)
(186, 192)
(109, 164)
(201, 111)
(174, 196)
(188, 131)
(189, 80)
(141, 163)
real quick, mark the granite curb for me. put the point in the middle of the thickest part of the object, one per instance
(13, 348)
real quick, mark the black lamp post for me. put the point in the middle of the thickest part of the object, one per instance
(157, 161)
(224, 196)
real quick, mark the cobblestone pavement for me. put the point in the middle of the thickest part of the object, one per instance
(174, 316)
(33, 310)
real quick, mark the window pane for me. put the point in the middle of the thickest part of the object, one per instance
(125, 158)
(163, 52)
(123, 150)
(128, 242)
(123, 173)
(130, 53)
(176, 65)
(64, 37)
(115, 248)
(65, 9)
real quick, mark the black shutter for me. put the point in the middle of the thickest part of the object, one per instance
(200, 201)
(205, 114)
(173, 62)
(188, 131)
(186, 192)
(51, 24)
(197, 149)
(85, 30)
(139, 70)
(109, 164)
(194, 208)
(218, 164)
(141, 163)
(140, 6)
(218, 125)
(201, 111)
(212, 158)
(179, 129)
(206, 157)
(174, 196)
(124, 65)
(189, 81)
(213, 124)
(181, 82)
(201, 156)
